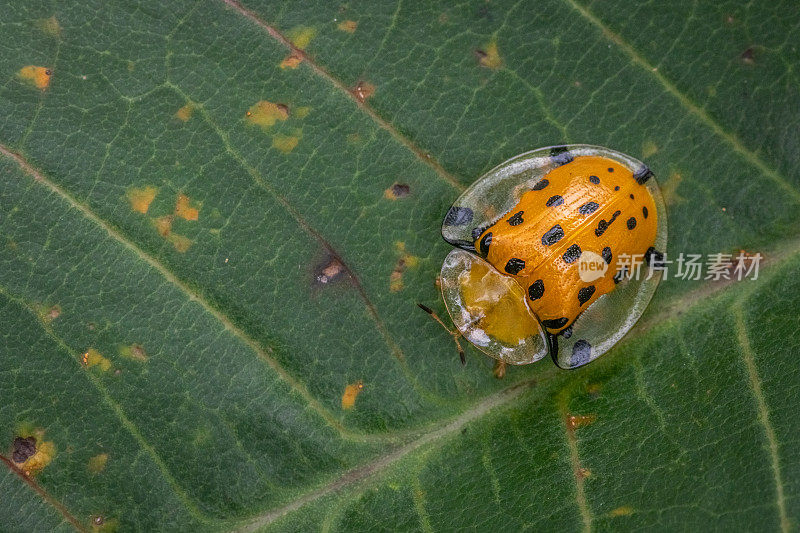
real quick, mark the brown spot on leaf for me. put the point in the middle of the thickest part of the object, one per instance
(163, 225)
(748, 57)
(184, 210)
(499, 369)
(292, 61)
(350, 394)
(98, 463)
(330, 271)
(579, 421)
(31, 453)
(583, 472)
(140, 199)
(185, 113)
(489, 56)
(180, 242)
(363, 90)
(39, 77)
(348, 26)
(397, 190)
(22, 448)
(134, 351)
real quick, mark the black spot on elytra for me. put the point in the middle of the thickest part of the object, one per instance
(644, 211)
(654, 258)
(561, 155)
(483, 246)
(631, 222)
(595, 180)
(458, 216)
(588, 208)
(566, 332)
(541, 184)
(554, 201)
(556, 323)
(606, 253)
(516, 219)
(23, 448)
(514, 266)
(602, 226)
(631, 195)
(572, 254)
(616, 188)
(553, 235)
(642, 175)
(585, 293)
(536, 290)
(581, 353)
(610, 169)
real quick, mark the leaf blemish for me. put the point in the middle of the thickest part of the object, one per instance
(48, 313)
(351, 392)
(748, 57)
(649, 148)
(31, 453)
(292, 61)
(489, 56)
(625, 510)
(348, 26)
(184, 210)
(92, 357)
(579, 421)
(265, 114)
(39, 77)
(185, 113)
(134, 351)
(330, 271)
(141, 199)
(301, 36)
(97, 463)
(397, 190)
(363, 90)
(163, 226)
(285, 143)
(405, 261)
(669, 189)
(50, 26)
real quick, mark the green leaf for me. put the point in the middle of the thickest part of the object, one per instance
(210, 237)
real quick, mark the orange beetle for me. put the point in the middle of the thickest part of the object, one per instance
(550, 250)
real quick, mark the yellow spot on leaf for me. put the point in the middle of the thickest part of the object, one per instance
(37, 76)
(49, 26)
(649, 148)
(301, 36)
(184, 210)
(489, 57)
(405, 261)
(134, 351)
(180, 242)
(351, 392)
(285, 143)
(293, 60)
(363, 90)
(98, 463)
(348, 25)
(578, 421)
(625, 510)
(669, 189)
(302, 112)
(94, 358)
(141, 199)
(185, 113)
(44, 454)
(266, 114)
(131, 66)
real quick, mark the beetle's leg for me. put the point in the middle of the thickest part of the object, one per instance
(455, 334)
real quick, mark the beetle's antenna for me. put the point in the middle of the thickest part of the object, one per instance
(455, 334)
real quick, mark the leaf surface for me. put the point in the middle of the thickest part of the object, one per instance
(216, 219)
